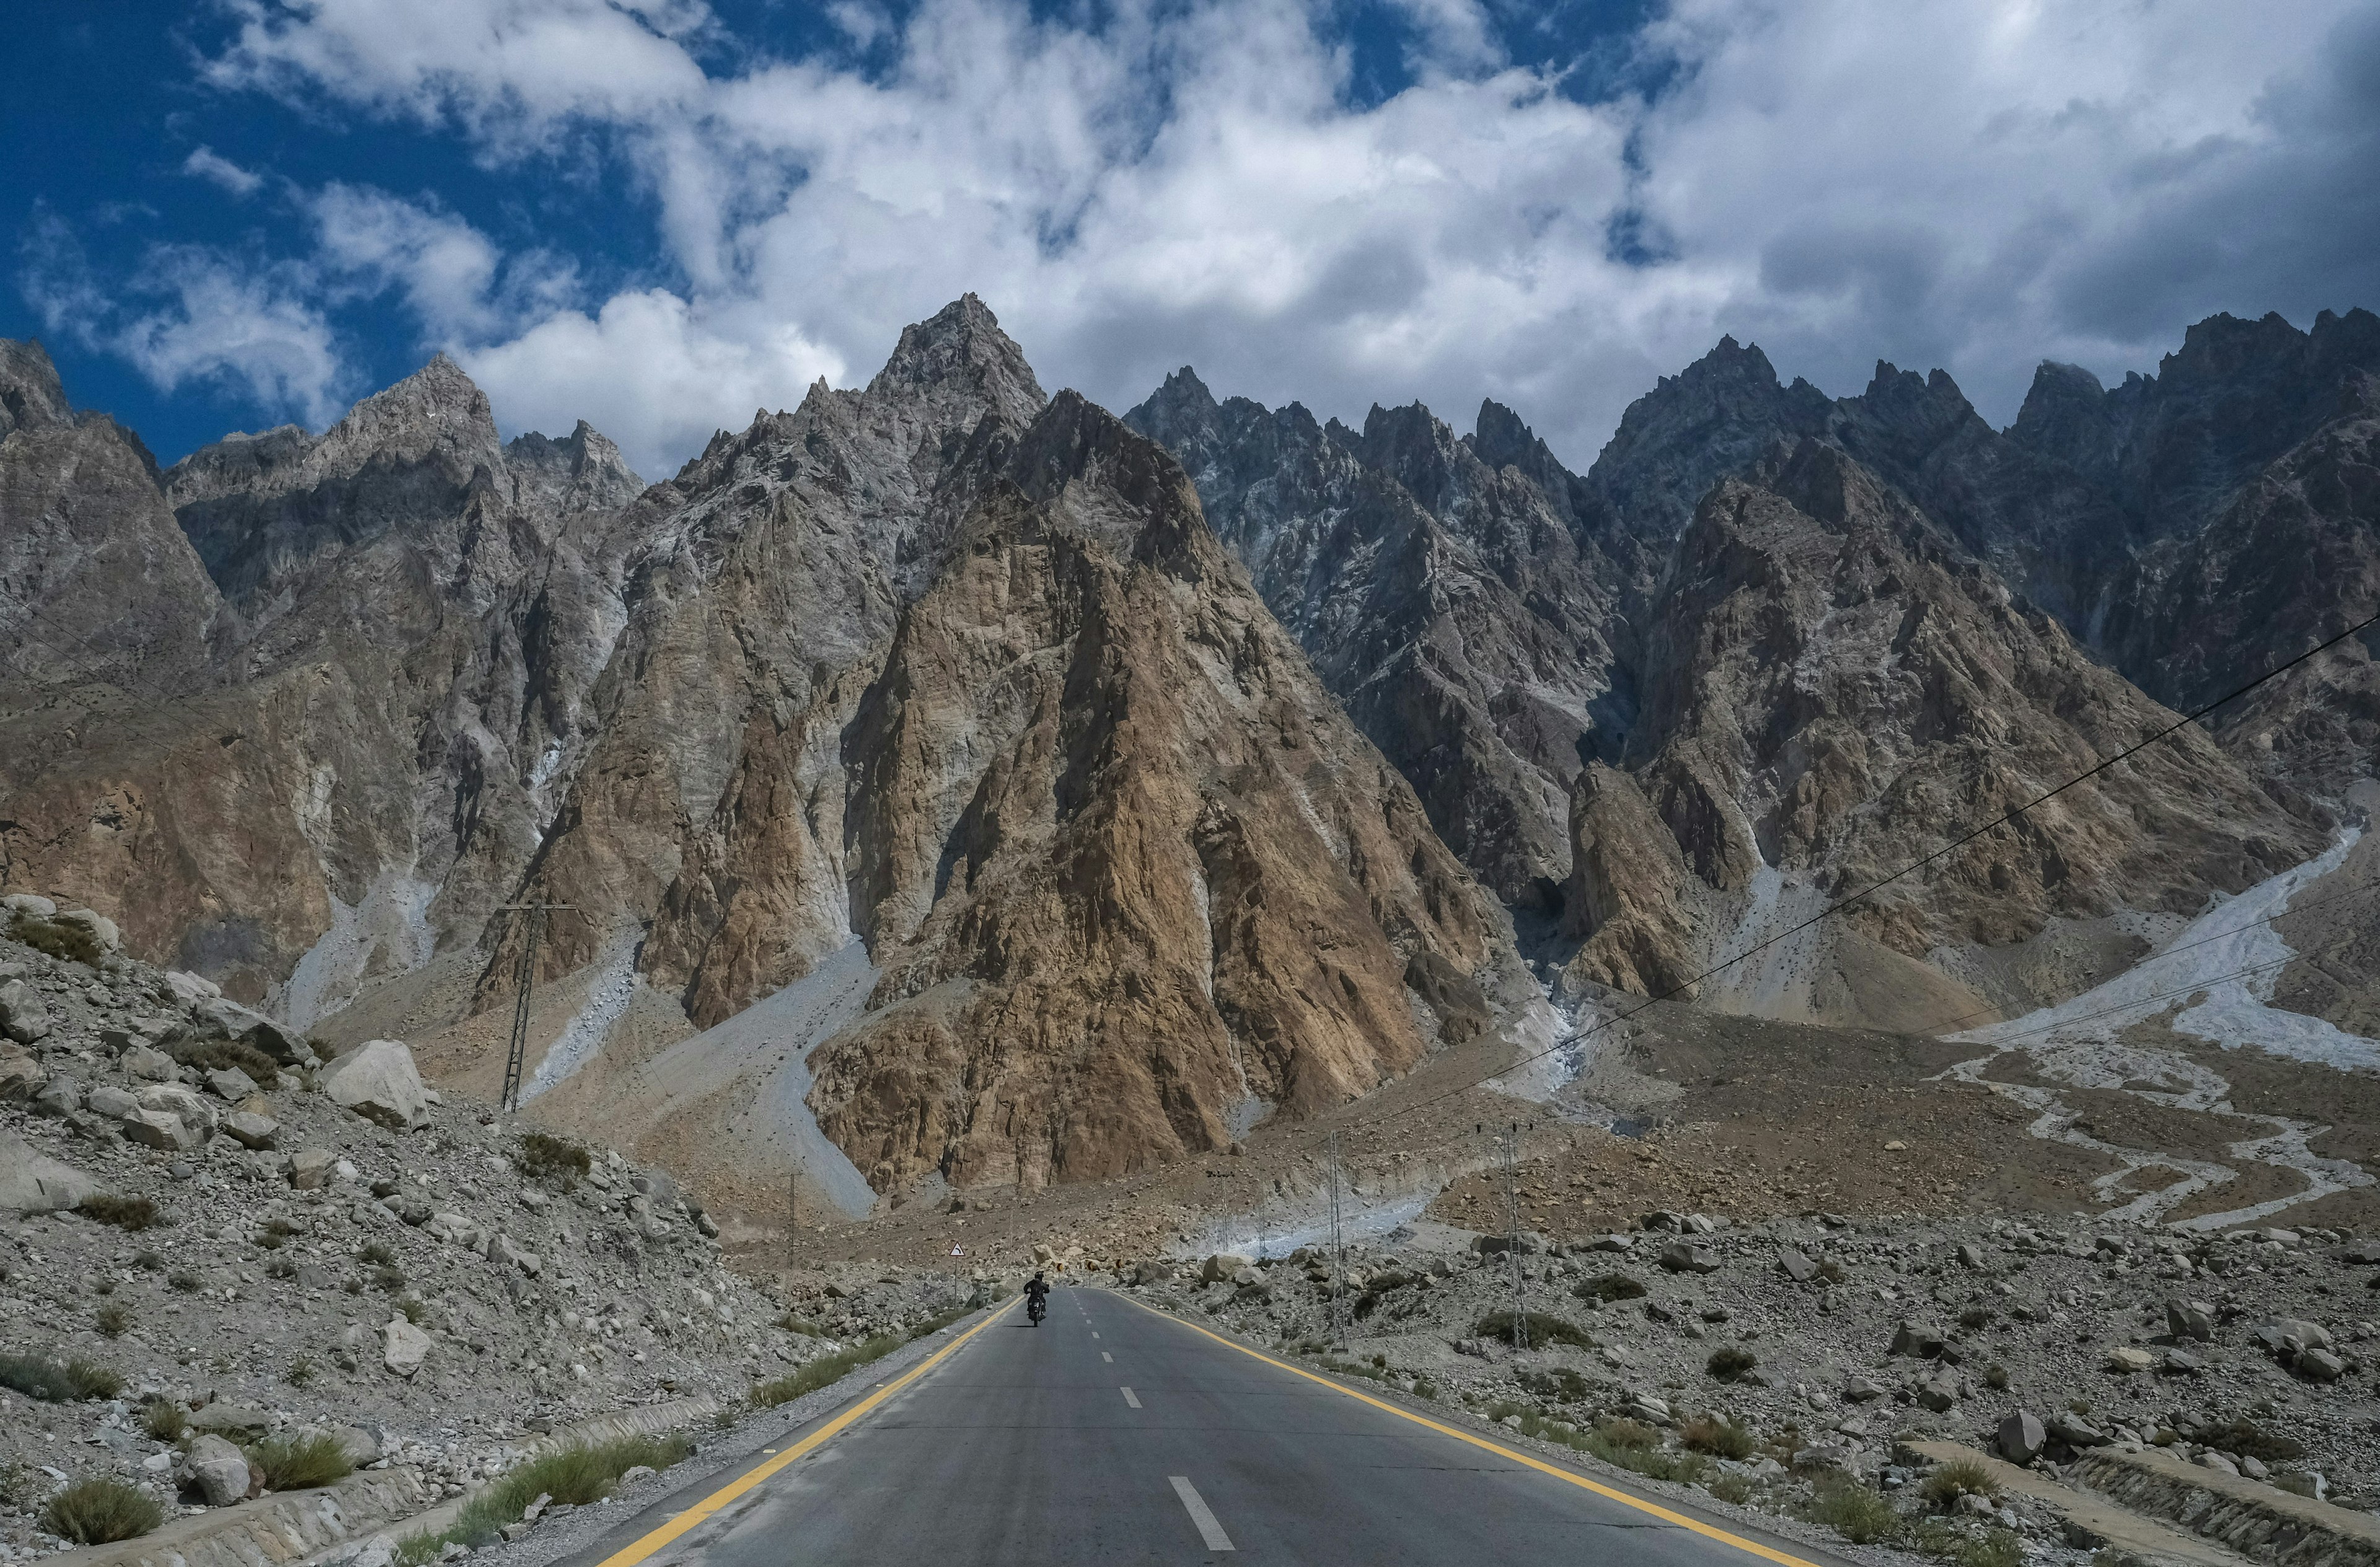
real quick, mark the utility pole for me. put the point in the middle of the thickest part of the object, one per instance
(793, 1204)
(1512, 1234)
(524, 976)
(1338, 1254)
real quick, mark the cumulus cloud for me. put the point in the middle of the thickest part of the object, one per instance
(1970, 183)
(209, 165)
(195, 316)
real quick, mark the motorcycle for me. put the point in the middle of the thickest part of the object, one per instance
(1034, 1310)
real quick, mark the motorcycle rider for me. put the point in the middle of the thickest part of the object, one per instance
(1037, 1297)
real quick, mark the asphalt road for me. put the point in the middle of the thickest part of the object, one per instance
(1112, 1434)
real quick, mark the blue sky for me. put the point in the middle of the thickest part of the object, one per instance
(660, 215)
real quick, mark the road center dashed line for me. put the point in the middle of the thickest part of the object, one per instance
(1106, 1357)
(1128, 1397)
(1200, 1514)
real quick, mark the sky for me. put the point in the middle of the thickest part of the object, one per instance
(661, 215)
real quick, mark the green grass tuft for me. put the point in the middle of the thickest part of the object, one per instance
(124, 1212)
(299, 1463)
(111, 1319)
(165, 1419)
(1719, 1438)
(1542, 1329)
(1858, 1514)
(38, 1376)
(1730, 1362)
(99, 1511)
(575, 1475)
(546, 1157)
(1959, 1477)
(1609, 1287)
(59, 939)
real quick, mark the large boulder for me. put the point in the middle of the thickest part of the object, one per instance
(219, 1018)
(1222, 1267)
(20, 1076)
(252, 1130)
(32, 1182)
(2021, 1436)
(378, 1080)
(195, 1108)
(161, 1129)
(403, 1346)
(2190, 1318)
(214, 1469)
(24, 1016)
(1685, 1257)
(102, 929)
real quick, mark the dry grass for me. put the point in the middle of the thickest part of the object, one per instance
(299, 1463)
(164, 1419)
(38, 1376)
(1730, 1362)
(1540, 1328)
(59, 939)
(100, 1512)
(1609, 1287)
(1959, 1477)
(125, 1212)
(1719, 1438)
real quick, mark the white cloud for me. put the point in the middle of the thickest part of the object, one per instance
(193, 315)
(209, 165)
(653, 372)
(1970, 183)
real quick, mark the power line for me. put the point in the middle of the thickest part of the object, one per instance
(1840, 904)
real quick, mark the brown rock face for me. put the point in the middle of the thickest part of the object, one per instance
(1842, 689)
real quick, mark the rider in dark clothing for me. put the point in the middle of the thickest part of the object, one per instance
(1037, 1294)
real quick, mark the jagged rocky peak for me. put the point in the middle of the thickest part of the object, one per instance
(583, 470)
(31, 394)
(1502, 441)
(2065, 417)
(959, 353)
(1711, 420)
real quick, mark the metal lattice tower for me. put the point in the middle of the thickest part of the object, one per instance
(1512, 1234)
(524, 977)
(1338, 1254)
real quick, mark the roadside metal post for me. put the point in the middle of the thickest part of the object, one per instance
(1338, 1254)
(524, 977)
(1512, 1234)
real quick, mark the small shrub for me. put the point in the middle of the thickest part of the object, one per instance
(1975, 1317)
(215, 1055)
(388, 1281)
(1609, 1287)
(576, 1476)
(1997, 1548)
(281, 1268)
(1959, 1477)
(275, 1234)
(376, 1255)
(1540, 1328)
(164, 1419)
(300, 1372)
(2078, 1406)
(71, 943)
(1721, 1438)
(411, 1310)
(299, 1463)
(1424, 1388)
(125, 1212)
(1628, 1433)
(1736, 1489)
(544, 1158)
(1730, 1362)
(1559, 1384)
(1858, 1514)
(111, 1319)
(99, 1511)
(17, 1488)
(182, 1282)
(1996, 1376)
(38, 1376)
(149, 1261)
(2244, 1437)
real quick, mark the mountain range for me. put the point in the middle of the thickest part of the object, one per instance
(1026, 794)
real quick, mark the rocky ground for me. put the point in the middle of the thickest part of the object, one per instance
(1828, 1342)
(238, 1235)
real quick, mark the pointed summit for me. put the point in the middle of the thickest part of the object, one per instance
(1178, 413)
(960, 359)
(31, 394)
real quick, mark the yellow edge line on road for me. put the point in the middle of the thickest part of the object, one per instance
(1709, 1531)
(710, 1506)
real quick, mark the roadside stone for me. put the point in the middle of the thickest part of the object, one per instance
(20, 1076)
(32, 1182)
(2021, 1436)
(1220, 1267)
(251, 1130)
(2124, 1360)
(1797, 1265)
(59, 1097)
(2189, 1320)
(236, 1421)
(404, 1346)
(160, 1129)
(144, 1065)
(1972, 1256)
(310, 1170)
(111, 1102)
(2218, 1462)
(23, 1015)
(378, 1080)
(2319, 1366)
(215, 1470)
(1685, 1257)
(1920, 1339)
(231, 1083)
